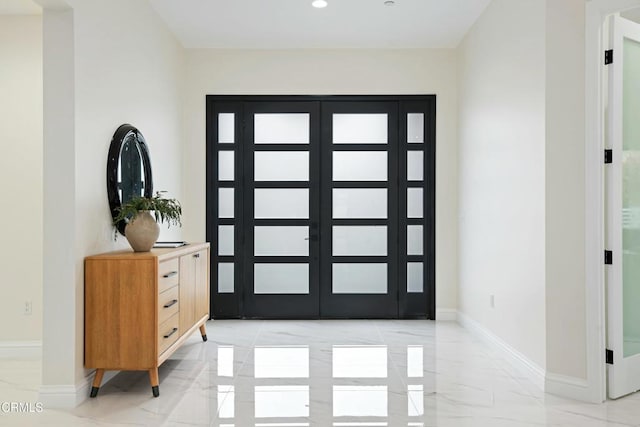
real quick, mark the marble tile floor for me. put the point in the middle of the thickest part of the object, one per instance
(337, 373)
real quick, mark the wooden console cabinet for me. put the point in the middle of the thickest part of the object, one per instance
(141, 306)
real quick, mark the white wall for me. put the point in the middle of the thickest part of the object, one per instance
(60, 327)
(565, 189)
(21, 176)
(320, 72)
(501, 83)
(127, 68)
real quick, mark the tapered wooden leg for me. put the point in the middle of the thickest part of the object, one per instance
(155, 382)
(203, 332)
(97, 380)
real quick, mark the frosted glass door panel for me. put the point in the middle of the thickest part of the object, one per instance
(360, 401)
(364, 278)
(281, 278)
(415, 128)
(359, 203)
(359, 165)
(359, 361)
(226, 166)
(414, 203)
(225, 203)
(414, 240)
(225, 278)
(631, 199)
(360, 240)
(415, 277)
(225, 240)
(359, 128)
(281, 203)
(226, 128)
(281, 241)
(281, 166)
(290, 128)
(415, 165)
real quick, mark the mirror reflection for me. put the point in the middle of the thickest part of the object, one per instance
(130, 173)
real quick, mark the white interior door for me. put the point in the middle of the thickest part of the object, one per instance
(623, 210)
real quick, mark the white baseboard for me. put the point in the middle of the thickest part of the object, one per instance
(20, 349)
(571, 387)
(63, 396)
(70, 396)
(446, 314)
(523, 364)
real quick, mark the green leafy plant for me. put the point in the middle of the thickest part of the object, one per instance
(164, 210)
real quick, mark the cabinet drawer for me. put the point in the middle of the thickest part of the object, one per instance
(168, 333)
(168, 304)
(168, 274)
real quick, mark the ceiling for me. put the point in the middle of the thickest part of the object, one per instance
(19, 7)
(288, 24)
(632, 14)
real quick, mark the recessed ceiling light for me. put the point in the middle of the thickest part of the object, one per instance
(319, 3)
(389, 3)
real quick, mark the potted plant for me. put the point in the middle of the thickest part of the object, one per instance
(142, 229)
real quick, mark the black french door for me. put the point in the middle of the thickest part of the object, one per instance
(321, 206)
(359, 218)
(281, 209)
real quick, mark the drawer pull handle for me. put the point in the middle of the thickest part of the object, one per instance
(196, 255)
(173, 273)
(173, 331)
(169, 304)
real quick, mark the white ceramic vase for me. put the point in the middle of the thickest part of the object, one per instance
(142, 232)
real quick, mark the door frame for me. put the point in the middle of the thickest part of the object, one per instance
(622, 374)
(232, 304)
(595, 389)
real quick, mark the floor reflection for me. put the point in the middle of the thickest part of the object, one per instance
(360, 401)
(281, 362)
(359, 361)
(286, 383)
(323, 373)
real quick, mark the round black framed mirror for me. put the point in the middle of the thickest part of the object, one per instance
(128, 169)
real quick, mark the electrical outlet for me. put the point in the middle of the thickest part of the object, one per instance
(28, 308)
(492, 301)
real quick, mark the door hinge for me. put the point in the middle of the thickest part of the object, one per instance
(608, 257)
(608, 156)
(608, 57)
(609, 356)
